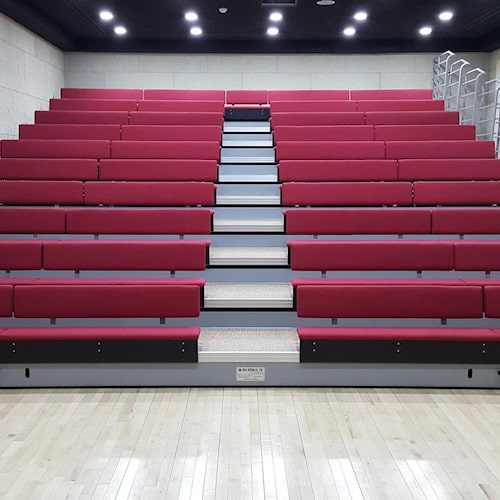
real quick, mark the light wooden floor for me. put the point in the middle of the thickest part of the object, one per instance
(249, 443)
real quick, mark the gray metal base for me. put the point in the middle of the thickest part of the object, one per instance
(250, 375)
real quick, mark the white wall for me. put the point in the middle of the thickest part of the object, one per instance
(32, 71)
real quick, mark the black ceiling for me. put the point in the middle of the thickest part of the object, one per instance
(159, 25)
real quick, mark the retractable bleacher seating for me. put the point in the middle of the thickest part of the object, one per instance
(390, 227)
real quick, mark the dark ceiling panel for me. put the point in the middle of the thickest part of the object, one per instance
(159, 25)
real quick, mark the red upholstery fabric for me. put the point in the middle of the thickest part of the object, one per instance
(298, 282)
(202, 150)
(198, 282)
(150, 193)
(449, 169)
(96, 93)
(82, 117)
(89, 104)
(184, 94)
(106, 301)
(411, 117)
(309, 95)
(398, 333)
(439, 149)
(48, 169)
(394, 301)
(69, 131)
(391, 94)
(215, 106)
(41, 192)
(171, 133)
(323, 133)
(341, 150)
(55, 148)
(346, 193)
(32, 220)
(314, 118)
(466, 221)
(146, 255)
(338, 170)
(312, 106)
(6, 301)
(247, 97)
(102, 333)
(424, 132)
(157, 170)
(456, 192)
(401, 105)
(20, 254)
(477, 255)
(399, 255)
(139, 221)
(174, 118)
(339, 221)
(492, 301)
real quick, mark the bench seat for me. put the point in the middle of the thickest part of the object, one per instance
(399, 345)
(175, 118)
(445, 169)
(55, 148)
(456, 193)
(89, 104)
(100, 93)
(199, 150)
(82, 117)
(15, 192)
(171, 133)
(439, 149)
(466, 221)
(338, 170)
(21, 254)
(313, 118)
(411, 117)
(323, 133)
(151, 193)
(309, 95)
(308, 106)
(400, 105)
(126, 344)
(61, 169)
(39, 220)
(424, 132)
(70, 131)
(335, 150)
(390, 94)
(157, 170)
(184, 94)
(346, 193)
(175, 105)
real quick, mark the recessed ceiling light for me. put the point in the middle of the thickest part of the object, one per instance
(223, 10)
(350, 31)
(120, 30)
(425, 31)
(273, 31)
(276, 16)
(106, 15)
(361, 16)
(196, 31)
(190, 16)
(325, 2)
(446, 15)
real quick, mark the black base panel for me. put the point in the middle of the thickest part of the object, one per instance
(247, 114)
(392, 351)
(99, 351)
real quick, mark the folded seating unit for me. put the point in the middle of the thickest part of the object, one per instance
(41, 192)
(256, 97)
(335, 150)
(322, 106)
(346, 193)
(399, 345)
(39, 220)
(184, 94)
(391, 94)
(6, 300)
(424, 132)
(174, 118)
(309, 95)
(202, 150)
(443, 169)
(338, 170)
(152, 193)
(100, 93)
(49, 169)
(20, 255)
(400, 105)
(456, 193)
(477, 255)
(157, 170)
(87, 104)
(439, 149)
(55, 148)
(314, 118)
(323, 133)
(82, 117)
(99, 344)
(70, 131)
(215, 106)
(411, 117)
(171, 133)
(466, 221)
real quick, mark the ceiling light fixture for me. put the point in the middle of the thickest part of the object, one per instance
(425, 31)
(223, 10)
(196, 31)
(273, 31)
(190, 16)
(349, 31)
(106, 15)
(361, 16)
(120, 30)
(446, 15)
(324, 3)
(276, 16)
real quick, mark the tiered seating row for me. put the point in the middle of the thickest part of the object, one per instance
(20, 220)
(398, 255)
(109, 255)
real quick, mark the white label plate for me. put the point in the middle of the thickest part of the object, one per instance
(250, 374)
